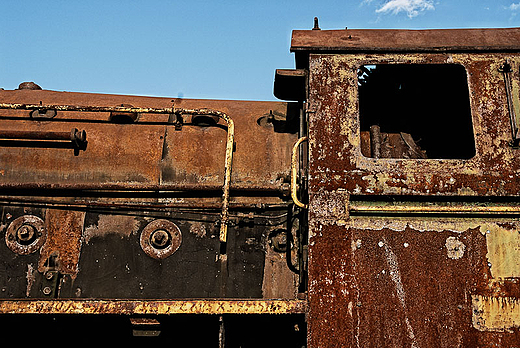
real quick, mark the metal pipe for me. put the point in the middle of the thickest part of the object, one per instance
(93, 204)
(405, 208)
(375, 141)
(17, 134)
(75, 136)
(227, 178)
(86, 108)
(137, 186)
(505, 69)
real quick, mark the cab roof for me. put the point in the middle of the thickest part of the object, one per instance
(398, 40)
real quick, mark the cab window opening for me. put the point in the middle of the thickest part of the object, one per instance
(415, 111)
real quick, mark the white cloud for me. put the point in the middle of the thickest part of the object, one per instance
(411, 7)
(514, 7)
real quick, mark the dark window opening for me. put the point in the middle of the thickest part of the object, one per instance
(415, 111)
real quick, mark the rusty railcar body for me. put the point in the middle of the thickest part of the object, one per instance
(376, 206)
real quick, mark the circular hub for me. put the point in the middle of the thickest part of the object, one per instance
(160, 238)
(25, 234)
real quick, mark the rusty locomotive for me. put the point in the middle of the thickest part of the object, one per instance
(376, 205)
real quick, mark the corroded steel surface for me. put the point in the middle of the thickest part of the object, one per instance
(218, 167)
(64, 238)
(402, 251)
(352, 40)
(152, 140)
(336, 159)
(412, 282)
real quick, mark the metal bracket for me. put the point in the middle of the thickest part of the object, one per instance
(51, 277)
(506, 70)
(145, 327)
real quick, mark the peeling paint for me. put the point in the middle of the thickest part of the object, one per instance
(503, 247)
(30, 278)
(337, 121)
(395, 275)
(495, 313)
(122, 225)
(455, 248)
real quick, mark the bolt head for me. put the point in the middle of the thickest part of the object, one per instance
(160, 239)
(26, 234)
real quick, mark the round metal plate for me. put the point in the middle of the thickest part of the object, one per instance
(160, 238)
(14, 237)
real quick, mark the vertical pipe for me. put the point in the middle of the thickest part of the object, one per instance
(375, 141)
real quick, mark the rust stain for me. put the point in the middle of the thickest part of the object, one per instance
(198, 229)
(64, 232)
(30, 278)
(395, 275)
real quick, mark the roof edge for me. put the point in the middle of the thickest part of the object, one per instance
(406, 40)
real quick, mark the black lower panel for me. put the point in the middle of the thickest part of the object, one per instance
(230, 331)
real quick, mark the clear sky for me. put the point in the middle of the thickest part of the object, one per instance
(196, 49)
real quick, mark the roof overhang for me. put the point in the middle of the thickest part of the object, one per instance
(390, 40)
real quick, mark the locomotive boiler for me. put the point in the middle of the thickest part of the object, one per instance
(375, 205)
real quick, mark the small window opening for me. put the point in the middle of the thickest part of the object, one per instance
(415, 111)
(122, 117)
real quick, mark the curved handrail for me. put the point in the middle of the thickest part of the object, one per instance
(294, 173)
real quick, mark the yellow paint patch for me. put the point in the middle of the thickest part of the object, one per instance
(495, 313)
(503, 255)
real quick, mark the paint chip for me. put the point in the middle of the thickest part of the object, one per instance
(455, 248)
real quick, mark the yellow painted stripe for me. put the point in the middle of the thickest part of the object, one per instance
(155, 307)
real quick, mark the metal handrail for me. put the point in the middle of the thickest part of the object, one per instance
(294, 174)
(172, 110)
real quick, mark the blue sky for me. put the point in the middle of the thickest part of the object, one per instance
(196, 49)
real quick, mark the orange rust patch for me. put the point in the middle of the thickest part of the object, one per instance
(64, 230)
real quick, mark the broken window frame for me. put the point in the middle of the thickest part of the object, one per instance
(376, 143)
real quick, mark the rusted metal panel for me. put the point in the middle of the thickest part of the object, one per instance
(385, 40)
(220, 176)
(393, 282)
(402, 247)
(406, 251)
(64, 237)
(95, 253)
(261, 154)
(335, 141)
